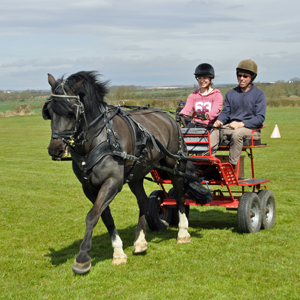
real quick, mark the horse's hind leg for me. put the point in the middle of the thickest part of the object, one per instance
(140, 243)
(119, 257)
(183, 234)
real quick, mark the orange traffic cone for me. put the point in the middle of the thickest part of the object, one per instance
(275, 134)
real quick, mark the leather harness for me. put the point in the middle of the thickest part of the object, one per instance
(111, 146)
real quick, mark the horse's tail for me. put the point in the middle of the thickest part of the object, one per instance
(194, 187)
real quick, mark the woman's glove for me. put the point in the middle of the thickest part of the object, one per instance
(202, 116)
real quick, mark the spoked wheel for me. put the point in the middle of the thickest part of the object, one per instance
(158, 218)
(175, 216)
(249, 213)
(268, 207)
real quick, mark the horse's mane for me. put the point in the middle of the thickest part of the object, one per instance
(91, 94)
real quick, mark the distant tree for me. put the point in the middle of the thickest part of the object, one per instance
(294, 86)
(123, 92)
(274, 92)
(24, 96)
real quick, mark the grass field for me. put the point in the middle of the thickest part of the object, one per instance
(42, 219)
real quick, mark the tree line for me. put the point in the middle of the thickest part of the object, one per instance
(277, 91)
(23, 95)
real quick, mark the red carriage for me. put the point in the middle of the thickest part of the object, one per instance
(255, 205)
(111, 146)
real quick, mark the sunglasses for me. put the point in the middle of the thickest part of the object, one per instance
(202, 79)
(244, 76)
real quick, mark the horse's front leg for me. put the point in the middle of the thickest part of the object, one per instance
(107, 192)
(140, 243)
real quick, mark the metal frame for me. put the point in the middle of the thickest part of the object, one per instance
(227, 177)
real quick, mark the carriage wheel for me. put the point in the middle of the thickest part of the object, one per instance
(158, 218)
(268, 208)
(249, 213)
(175, 216)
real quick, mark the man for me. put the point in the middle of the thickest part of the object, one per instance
(244, 110)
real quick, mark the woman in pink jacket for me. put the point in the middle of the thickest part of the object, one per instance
(206, 102)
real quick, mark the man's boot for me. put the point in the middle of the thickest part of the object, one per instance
(234, 168)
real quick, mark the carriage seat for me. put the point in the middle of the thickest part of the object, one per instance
(197, 140)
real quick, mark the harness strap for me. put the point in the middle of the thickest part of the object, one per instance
(110, 129)
(145, 131)
(174, 171)
(139, 139)
(106, 121)
(87, 161)
(180, 156)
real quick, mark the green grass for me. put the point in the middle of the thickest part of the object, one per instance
(42, 219)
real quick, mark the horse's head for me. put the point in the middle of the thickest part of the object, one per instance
(64, 109)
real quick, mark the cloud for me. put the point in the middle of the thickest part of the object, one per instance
(146, 42)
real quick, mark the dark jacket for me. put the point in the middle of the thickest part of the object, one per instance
(249, 107)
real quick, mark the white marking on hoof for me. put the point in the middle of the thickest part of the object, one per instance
(183, 235)
(140, 243)
(119, 260)
(140, 247)
(119, 257)
(183, 240)
(81, 268)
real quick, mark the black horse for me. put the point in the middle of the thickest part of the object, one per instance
(110, 146)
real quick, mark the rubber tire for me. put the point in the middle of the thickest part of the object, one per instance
(249, 203)
(268, 206)
(155, 217)
(175, 216)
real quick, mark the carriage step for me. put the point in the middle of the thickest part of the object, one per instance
(251, 181)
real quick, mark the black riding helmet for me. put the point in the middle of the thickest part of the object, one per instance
(205, 70)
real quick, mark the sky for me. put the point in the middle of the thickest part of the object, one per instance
(146, 43)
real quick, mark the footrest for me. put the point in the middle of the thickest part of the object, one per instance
(251, 182)
(229, 174)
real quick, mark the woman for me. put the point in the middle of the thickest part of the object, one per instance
(206, 102)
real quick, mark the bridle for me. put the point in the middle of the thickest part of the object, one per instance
(72, 137)
(68, 136)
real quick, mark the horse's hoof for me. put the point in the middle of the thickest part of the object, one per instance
(119, 260)
(183, 240)
(81, 268)
(140, 248)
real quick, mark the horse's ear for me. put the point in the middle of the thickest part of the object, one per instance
(51, 80)
(77, 86)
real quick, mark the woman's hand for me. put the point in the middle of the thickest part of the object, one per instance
(202, 116)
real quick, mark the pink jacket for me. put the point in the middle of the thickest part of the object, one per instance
(210, 104)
